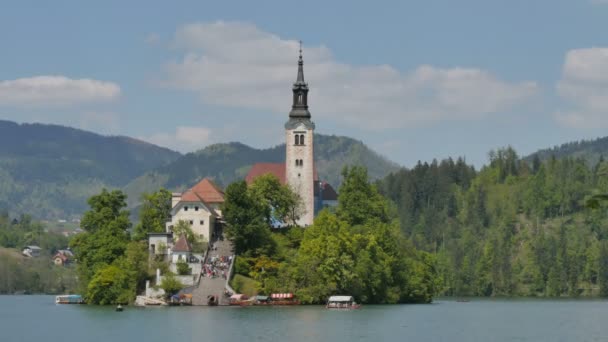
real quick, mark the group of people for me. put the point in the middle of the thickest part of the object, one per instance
(216, 266)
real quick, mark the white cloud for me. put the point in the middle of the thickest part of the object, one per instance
(584, 86)
(238, 65)
(55, 91)
(184, 139)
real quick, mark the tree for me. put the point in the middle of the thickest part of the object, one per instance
(170, 284)
(105, 237)
(280, 202)
(359, 200)
(154, 212)
(245, 219)
(110, 285)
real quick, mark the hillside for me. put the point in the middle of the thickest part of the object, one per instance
(589, 150)
(229, 162)
(49, 171)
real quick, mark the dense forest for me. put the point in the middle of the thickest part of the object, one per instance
(516, 227)
(49, 171)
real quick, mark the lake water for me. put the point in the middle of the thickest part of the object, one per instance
(37, 318)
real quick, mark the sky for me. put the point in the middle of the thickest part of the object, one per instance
(415, 80)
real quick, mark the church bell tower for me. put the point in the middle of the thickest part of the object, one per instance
(299, 159)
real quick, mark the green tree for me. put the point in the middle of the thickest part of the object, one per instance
(170, 284)
(279, 201)
(154, 212)
(245, 219)
(110, 285)
(105, 237)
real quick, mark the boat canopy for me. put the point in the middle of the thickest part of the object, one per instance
(281, 295)
(238, 296)
(261, 298)
(342, 299)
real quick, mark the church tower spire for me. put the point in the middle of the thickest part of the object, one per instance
(299, 108)
(299, 158)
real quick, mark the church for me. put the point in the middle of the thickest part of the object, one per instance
(299, 170)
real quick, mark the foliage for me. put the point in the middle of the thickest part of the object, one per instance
(153, 213)
(54, 169)
(227, 163)
(170, 284)
(509, 229)
(183, 228)
(104, 241)
(245, 221)
(280, 203)
(183, 268)
(33, 275)
(110, 285)
(359, 251)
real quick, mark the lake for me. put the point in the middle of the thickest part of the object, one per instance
(37, 318)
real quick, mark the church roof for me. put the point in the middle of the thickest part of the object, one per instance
(182, 245)
(259, 169)
(277, 169)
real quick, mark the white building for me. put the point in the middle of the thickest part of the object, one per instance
(199, 206)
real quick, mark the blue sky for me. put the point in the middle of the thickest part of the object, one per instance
(415, 80)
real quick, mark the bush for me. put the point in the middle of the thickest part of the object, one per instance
(182, 268)
(170, 284)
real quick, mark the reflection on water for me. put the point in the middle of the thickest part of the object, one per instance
(37, 318)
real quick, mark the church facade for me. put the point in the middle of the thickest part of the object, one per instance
(299, 170)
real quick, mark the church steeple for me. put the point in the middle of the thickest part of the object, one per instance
(299, 108)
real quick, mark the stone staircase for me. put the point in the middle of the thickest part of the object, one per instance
(213, 286)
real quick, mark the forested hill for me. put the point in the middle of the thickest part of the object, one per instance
(513, 228)
(49, 171)
(589, 150)
(228, 162)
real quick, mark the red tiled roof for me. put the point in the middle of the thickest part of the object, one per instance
(209, 191)
(329, 194)
(259, 169)
(277, 169)
(182, 245)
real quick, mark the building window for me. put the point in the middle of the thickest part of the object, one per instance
(186, 208)
(301, 162)
(196, 208)
(302, 139)
(191, 222)
(300, 99)
(297, 140)
(202, 222)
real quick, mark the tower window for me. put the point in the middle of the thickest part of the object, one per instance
(186, 208)
(297, 142)
(301, 162)
(302, 139)
(300, 99)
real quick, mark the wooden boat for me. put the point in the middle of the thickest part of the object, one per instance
(69, 299)
(283, 299)
(119, 308)
(342, 302)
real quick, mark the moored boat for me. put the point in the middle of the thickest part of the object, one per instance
(283, 299)
(342, 302)
(69, 299)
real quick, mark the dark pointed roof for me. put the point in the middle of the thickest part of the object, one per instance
(299, 108)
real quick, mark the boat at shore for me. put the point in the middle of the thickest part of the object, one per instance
(69, 299)
(342, 302)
